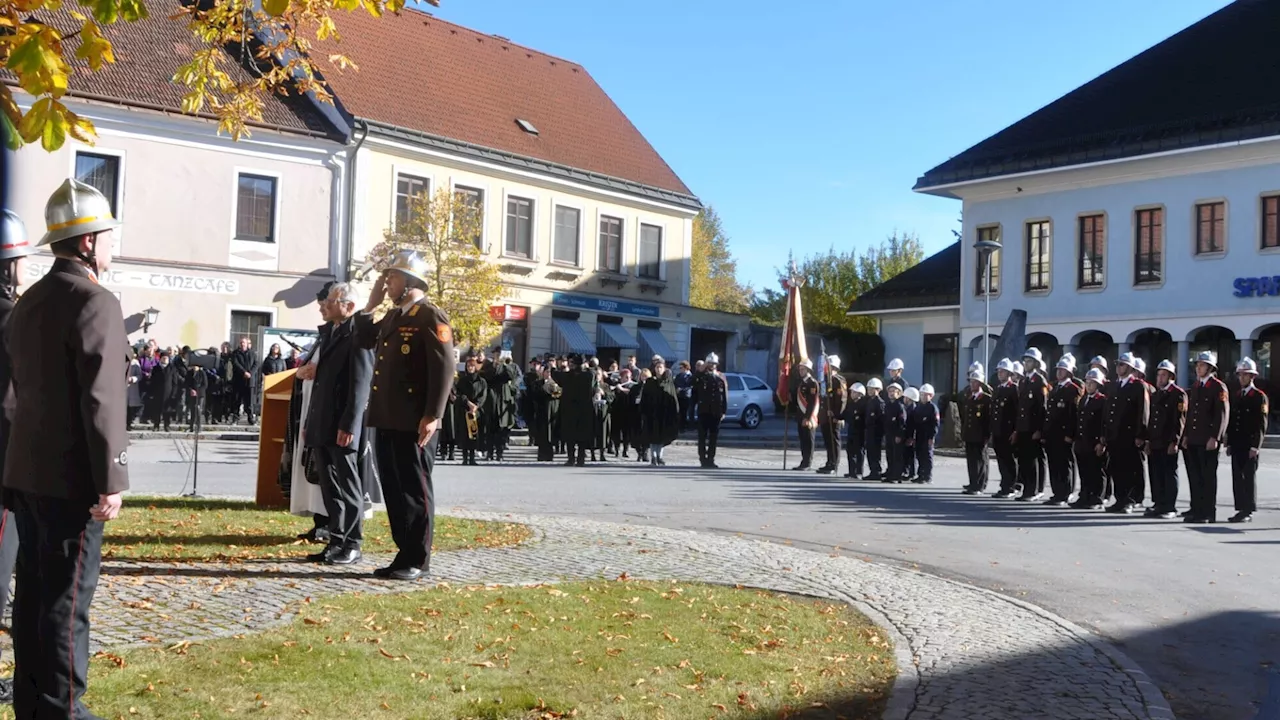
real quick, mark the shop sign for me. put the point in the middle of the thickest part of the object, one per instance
(1257, 287)
(500, 313)
(173, 282)
(584, 302)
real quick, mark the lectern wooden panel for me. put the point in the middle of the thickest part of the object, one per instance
(277, 389)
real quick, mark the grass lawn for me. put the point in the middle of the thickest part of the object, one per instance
(584, 650)
(177, 529)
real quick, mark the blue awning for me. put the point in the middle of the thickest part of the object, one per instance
(569, 337)
(653, 343)
(613, 335)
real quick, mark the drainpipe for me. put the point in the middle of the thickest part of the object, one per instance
(351, 199)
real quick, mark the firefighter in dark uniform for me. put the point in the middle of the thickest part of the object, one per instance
(1033, 401)
(874, 419)
(1100, 363)
(1004, 416)
(894, 369)
(1088, 439)
(807, 393)
(831, 414)
(1059, 431)
(1168, 421)
(924, 426)
(412, 376)
(1245, 433)
(711, 393)
(895, 433)
(1208, 408)
(1128, 414)
(855, 412)
(975, 431)
(67, 463)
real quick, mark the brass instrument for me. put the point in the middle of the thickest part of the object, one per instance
(473, 425)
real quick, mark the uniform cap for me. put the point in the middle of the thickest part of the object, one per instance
(1100, 361)
(858, 388)
(1168, 367)
(895, 364)
(806, 363)
(975, 366)
(1209, 358)
(15, 243)
(912, 394)
(1097, 376)
(977, 375)
(75, 209)
(713, 359)
(875, 384)
(1067, 363)
(1140, 365)
(1005, 364)
(834, 361)
(926, 389)
(1127, 359)
(1247, 365)
(1034, 354)
(410, 263)
(1017, 368)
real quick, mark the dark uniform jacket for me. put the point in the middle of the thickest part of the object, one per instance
(833, 402)
(1248, 425)
(1207, 410)
(1033, 399)
(1004, 411)
(1090, 419)
(899, 381)
(1168, 417)
(198, 380)
(855, 414)
(469, 388)
(243, 361)
(975, 425)
(807, 397)
(874, 417)
(413, 365)
(895, 419)
(924, 422)
(712, 393)
(340, 392)
(67, 344)
(1128, 412)
(577, 408)
(6, 372)
(1060, 417)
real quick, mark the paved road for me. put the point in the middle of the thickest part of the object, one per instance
(1196, 606)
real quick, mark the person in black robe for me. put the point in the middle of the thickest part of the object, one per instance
(622, 413)
(544, 403)
(164, 392)
(659, 411)
(577, 410)
(448, 428)
(471, 392)
(600, 416)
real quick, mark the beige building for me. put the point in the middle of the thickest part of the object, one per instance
(221, 237)
(592, 229)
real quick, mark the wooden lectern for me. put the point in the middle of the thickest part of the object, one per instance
(277, 390)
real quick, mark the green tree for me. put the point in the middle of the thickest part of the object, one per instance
(713, 273)
(769, 307)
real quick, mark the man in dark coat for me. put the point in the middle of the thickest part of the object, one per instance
(1168, 422)
(67, 461)
(164, 392)
(319, 532)
(1059, 432)
(712, 393)
(1127, 415)
(1004, 418)
(659, 411)
(1246, 431)
(577, 413)
(244, 365)
(502, 378)
(195, 385)
(622, 413)
(335, 419)
(1033, 404)
(975, 431)
(1208, 409)
(1088, 441)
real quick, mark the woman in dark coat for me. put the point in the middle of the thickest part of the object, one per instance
(164, 392)
(448, 433)
(471, 389)
(659, 411)
(622, 413)
(274, 362)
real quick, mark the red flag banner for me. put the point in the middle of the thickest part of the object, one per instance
(792, 348)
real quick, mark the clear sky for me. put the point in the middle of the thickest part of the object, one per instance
(806, 123)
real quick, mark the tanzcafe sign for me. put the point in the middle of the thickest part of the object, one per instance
(173, 282)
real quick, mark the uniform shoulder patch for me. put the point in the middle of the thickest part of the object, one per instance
(414, 310)
(444, 333)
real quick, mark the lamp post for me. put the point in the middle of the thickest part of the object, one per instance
(985, 249)
(149, 318)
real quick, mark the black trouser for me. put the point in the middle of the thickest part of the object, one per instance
(923, 451)
(8, 555)
(685, 404)
(1007, 463)
(978, 461)
(854, 448)
(708, 436)
(908, 460)
(1244, 479)
(577, 454)
(806, 444)
(343, 494)
(1163, 469)
(242, 396)
(407, 490)
(831, 441)
(896, 446)
(60, 551)
(1062, 468)
(1093, 486)
(1126, 471)
(1032, 468)
(874, 451)
(1202, 479)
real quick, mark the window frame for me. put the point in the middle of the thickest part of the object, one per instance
(396, 174)
(533, 227)
(277, 193)
(556, 205)
(253, 309)
(1164, 244)
(1196, 226)
(601, 216)
(997, 276)
(1046, 254)
(455, 187)
(662, 240)
(1262, 222)
(1080, 254)
(122, 160)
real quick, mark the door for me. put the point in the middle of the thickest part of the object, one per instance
(737, 396)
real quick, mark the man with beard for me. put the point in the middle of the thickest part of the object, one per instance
(1127, 415)
(470, 393)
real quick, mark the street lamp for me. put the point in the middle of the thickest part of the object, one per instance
(985, 249)
(149, 318)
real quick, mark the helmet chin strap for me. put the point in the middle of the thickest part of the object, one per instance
(90, 258)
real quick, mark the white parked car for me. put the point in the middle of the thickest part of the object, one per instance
(749, 396)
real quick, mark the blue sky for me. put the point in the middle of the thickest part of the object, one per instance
(806, 123)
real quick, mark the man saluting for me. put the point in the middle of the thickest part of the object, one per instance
(66, 465)
(412, 375)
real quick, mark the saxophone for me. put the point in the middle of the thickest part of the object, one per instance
(473, 427)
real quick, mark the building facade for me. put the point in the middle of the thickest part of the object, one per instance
(1128, 224)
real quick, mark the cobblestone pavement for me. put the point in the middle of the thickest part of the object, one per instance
(963, 653)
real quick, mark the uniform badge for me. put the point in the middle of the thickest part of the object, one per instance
(414, 310)
(444, 333)
(404, 349)
(1182, 407)
(122, 458)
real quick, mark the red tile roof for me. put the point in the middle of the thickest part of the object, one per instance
(421, 73)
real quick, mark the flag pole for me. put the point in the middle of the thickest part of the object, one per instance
(786, 409)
